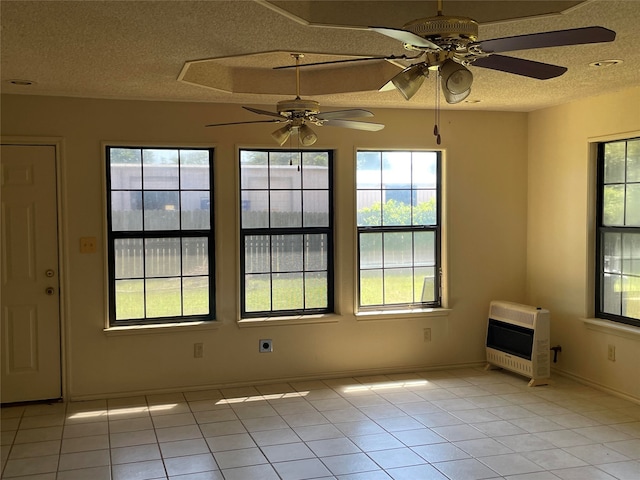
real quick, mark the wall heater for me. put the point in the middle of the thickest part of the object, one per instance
(518, 340)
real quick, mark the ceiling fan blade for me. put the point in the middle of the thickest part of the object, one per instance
(350, 60)
(353, 113)
(263, 112)
(243, 123)
(558, 38)
(370, 127)
(520, 66)
(406, 37)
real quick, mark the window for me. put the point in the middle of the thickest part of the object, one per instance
(618, 232)
(160, 235)
(398, 203)
(286, 232)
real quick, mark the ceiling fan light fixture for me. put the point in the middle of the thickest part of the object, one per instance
(307, 136)
(409, 80)
(282, 134)
(456, 78)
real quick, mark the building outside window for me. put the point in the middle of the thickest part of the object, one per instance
(618, 232)
(160, 235)
(286, 232)
(398, 221)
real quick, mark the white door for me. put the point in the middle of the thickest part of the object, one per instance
(30, 335)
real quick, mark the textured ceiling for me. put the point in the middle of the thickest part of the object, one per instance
(154, 50)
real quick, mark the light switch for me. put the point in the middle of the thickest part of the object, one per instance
(88, 244)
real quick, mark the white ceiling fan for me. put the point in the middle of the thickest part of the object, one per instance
(298, 114)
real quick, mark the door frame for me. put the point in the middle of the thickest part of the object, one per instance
(58, 144)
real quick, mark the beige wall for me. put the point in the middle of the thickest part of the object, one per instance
(561, 233)
(486, 207)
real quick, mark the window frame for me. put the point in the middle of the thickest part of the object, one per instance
(601, 230)
(113, 236)
(436, 228)
(328, 231)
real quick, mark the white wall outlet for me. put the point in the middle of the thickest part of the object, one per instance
(198, 350)
(427, 334)
(266, 345)
(611, 353)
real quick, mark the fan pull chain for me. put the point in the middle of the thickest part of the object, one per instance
(436, 127)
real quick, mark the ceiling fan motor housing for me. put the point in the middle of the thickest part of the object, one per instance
(298, 107)
(447, 32)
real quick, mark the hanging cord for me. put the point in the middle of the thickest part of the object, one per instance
(436, 127)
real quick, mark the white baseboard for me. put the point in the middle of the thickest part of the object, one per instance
(596, 385)
(262, 381)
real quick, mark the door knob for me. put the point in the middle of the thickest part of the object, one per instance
(50, 291)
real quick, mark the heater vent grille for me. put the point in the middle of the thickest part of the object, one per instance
(513, 313)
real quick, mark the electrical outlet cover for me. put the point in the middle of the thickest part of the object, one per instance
(266, 345)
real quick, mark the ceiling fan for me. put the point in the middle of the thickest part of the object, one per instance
(298, 113)
(450, 44)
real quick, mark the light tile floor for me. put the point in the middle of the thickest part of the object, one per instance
(464, 424)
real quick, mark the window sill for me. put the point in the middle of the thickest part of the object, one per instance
(294, 320)
(612, 328)
(160, 328)
(398, 314)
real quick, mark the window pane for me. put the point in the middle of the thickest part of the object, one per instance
(369, 170)
(195, 256)
(126, 168)
(398, 285)
(253, 170)
(614, 162)
(288, 292)
(195, 210)
(257, 293)
(315, 290)
(195, 295)
(128, 258)
(613, 205)
(633, 205)
(424, 207)
(371, 287)
(612, 244)
(611, 293)
(161, 210)
(398, 249)
(255, 209)
(315, 253)
(163, 297)
(370, 250)
(396, 169)
(126, 211)
(283, 170)
(257, 254)
(633, 161)
(162, 257)
(194, 169)
(315, 171)
(369, 208)
(424, 253)
(160, 169)
(631, 296)
(286, 253)
(631, 258)
(129, 299)
(286, 208)
(424, 169)
(397, 208)
(316, 208)
(424, 281)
